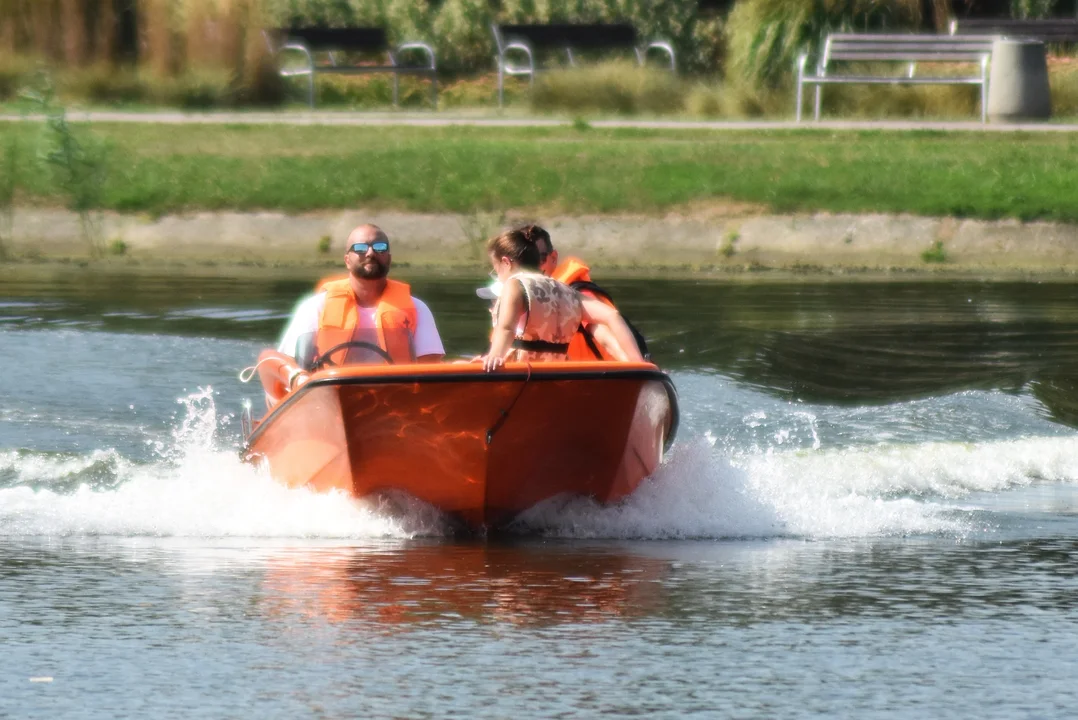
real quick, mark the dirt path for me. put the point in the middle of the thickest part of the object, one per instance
(489, 119)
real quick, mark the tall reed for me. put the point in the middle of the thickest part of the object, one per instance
(766, 36)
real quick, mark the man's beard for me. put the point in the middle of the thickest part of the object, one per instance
(376, 271)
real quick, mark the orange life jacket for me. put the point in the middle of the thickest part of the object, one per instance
(583, 346)
(394, 319)
(572, 270)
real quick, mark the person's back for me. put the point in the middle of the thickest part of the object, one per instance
(552, 318)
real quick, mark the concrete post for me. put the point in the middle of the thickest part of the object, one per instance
(1018, 82)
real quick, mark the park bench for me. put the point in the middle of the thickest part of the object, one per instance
(324, 50)
(906, 49)
(529, 40)
(1055, 30)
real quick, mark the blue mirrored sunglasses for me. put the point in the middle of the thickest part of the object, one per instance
(380, 246)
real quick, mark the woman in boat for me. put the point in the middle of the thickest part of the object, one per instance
(536, 316)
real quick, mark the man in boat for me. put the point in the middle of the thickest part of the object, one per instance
(377, 319)
(592, 341)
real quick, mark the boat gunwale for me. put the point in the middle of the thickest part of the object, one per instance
(637, 371)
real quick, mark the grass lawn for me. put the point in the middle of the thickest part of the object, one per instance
(170, 168)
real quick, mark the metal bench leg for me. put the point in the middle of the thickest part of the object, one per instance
(433, 91)
(800, 85)
(501, 83)
(396, 89)
(819, 88)
(310, 89)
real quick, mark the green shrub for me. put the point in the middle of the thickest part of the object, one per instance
(481, 91)
(729, 244)
(1033, 8)
(705, 101)
(609, 88)
(197, 89)
(104, 85)
(1063, 82)
(364, 91)
(462, 34)
(885, 101)
(14, 72)
(935, 254)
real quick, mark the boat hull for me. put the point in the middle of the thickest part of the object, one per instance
(482, 447)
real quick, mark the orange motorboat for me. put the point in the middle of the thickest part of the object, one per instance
(480, 446)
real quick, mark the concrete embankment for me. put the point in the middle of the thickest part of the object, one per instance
(717, 238)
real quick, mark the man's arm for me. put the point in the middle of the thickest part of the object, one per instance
(304, 321)
(428, 343)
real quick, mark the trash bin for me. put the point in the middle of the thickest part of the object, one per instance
(1018, 81)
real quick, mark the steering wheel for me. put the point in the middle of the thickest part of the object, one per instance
(323, 360)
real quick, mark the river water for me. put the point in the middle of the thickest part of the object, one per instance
(871, 510)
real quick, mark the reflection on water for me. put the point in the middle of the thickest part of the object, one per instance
(433, 584)
(816, 341)
(436, 583)
(791, 629)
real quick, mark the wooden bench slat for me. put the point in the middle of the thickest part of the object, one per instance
(906, 37)
(895, 79)
(1062, 30)
(913, 47)
(868, 56)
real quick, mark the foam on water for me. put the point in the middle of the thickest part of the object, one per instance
(861, 492)
(197, 488)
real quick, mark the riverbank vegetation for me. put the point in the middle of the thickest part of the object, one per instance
(158, 169)
(734, 59)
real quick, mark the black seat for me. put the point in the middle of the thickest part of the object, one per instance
(590, 36)
(319, 39)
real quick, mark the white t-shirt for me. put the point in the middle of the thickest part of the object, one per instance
(309, 310)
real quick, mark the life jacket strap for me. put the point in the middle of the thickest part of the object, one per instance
(590, 342)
